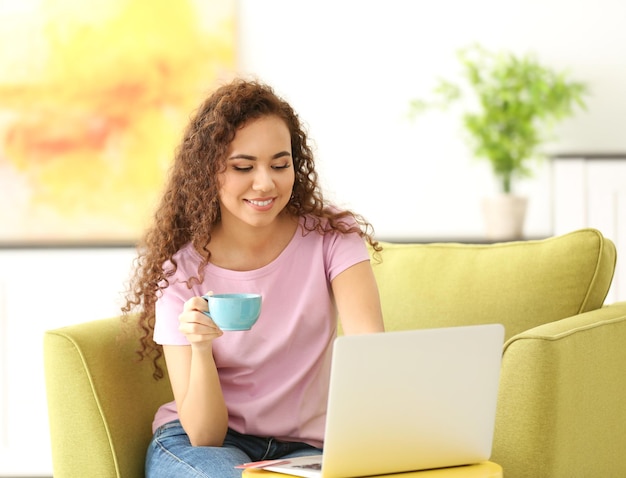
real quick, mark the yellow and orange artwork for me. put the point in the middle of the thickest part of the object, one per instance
(94, 95)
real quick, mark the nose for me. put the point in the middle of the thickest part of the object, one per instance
(263, 180)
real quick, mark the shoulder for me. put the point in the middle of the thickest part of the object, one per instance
(339, 239)
(182, 266)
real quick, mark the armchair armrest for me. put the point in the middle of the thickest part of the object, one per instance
(101, 400)
(562, 400)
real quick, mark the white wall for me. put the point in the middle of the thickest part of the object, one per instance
(42, 289)
(350, 68)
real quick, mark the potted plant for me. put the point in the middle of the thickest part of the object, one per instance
(517, 102)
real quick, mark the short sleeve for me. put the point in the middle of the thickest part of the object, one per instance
(167, 309)
(342, 251)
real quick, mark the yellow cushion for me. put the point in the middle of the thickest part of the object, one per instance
(518, 284)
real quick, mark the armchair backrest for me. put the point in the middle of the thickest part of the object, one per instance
(519, 284)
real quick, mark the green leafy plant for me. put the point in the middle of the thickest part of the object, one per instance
(518, 103)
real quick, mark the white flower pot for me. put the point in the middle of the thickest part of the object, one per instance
(504, 217)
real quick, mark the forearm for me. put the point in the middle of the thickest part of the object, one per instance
(202, 411)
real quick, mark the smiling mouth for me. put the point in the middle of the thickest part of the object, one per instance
(267, 202)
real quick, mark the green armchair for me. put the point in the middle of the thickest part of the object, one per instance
(562, 399)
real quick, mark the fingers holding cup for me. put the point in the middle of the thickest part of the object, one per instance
(195, 323)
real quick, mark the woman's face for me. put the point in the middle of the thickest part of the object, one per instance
(259, 176)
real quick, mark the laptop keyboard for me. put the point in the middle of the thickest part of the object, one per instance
(310, 466)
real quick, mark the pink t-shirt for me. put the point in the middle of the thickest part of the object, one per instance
(275, 376)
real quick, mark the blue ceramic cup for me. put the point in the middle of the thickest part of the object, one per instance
(234, 311)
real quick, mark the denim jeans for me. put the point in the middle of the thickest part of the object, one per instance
(170, 453)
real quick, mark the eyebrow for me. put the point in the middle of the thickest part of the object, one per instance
(253, 158)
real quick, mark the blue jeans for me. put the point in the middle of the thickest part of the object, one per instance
(170, 453)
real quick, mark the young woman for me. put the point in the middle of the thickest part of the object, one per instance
(243, 212)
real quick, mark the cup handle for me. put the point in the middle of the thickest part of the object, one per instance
(206, 297)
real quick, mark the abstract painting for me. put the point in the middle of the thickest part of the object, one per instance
(93, 99)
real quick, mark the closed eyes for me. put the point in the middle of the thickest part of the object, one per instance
(244, 169)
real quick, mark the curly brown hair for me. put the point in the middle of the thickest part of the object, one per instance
(189, 207)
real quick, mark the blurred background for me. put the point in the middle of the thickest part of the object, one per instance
(93, 96)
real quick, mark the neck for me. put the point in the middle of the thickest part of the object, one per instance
(247, 247)
(244, 235)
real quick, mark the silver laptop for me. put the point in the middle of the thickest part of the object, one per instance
(406, 401)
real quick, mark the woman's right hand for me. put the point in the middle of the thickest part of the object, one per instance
(198, 328)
